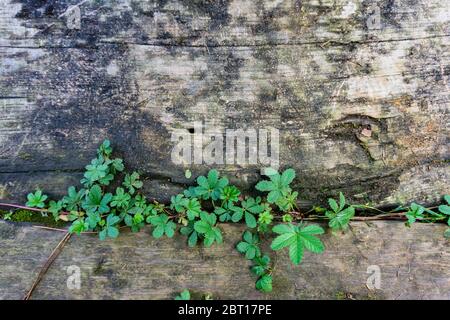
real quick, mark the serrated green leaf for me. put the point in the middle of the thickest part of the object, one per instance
(296, 250)
(282, 241)
(287, 176)
(265, 186)
(333, 205)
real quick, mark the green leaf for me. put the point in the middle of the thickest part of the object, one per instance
(206, 227)
(73, 199)
(283, 241)
(264, 284)
(341, 219)
(312, 229)
(192, 240)
(296, 250)
(132, 182)
(102, 234)
(278, 186)
(55, 208)
(95, 201)
(113, 232)
(178, 203)
(105, 148)
(447, 199)
(211, 187)
(333, 205)
(288, 176)
(447, 233)
(158, 232)
(270, 172)
(78, 226)
(265, 186)
(230, 194)
(312, 243)
(95, 171)
(283, 228)
(184, 295)
(444, 209)
(121, 199)
(162, 225)
(202, 226)
(117, 164)
(274, 196)
(36, 199)
(297, 238)
(242, 247)
(249, 246)
(193, 208)
(250, 220)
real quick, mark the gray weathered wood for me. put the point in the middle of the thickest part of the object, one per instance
(413, 263)
(137, 70)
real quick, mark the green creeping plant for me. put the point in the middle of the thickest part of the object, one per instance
(263, 270)
(445, 210)
(110, 229)
(249, 246)
(249, 209)
(416, 212)
(196, 212)
(278, 185)
(206, 227)
(162, 226)
(210, 187)
(339, 216)
(132, 182)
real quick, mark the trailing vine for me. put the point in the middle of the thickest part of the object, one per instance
(99, 208)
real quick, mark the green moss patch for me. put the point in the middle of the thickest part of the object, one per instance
(31, 216)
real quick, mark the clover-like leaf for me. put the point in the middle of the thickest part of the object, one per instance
(73, 198)
(249, 208)
(278, 186)
(96, 201)
(120, 199)
(206, 227)
(132, 182)
(210, 187)
(249, 246)
(162, 225)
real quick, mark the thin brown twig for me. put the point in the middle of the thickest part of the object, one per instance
(16, 206)
(47, 264)
(50, 228)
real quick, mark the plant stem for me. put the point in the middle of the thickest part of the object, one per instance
(22, 207)
(16, 206)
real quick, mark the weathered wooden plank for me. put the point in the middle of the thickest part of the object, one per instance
(220, 22)
(413, 264)
(361, 111)
(318, 110)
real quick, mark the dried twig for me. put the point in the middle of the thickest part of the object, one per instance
(47, 264)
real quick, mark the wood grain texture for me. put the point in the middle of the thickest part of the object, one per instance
(137, 70)
(413, 263)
